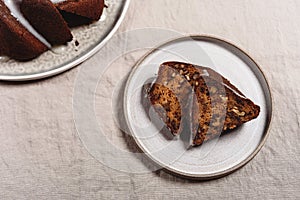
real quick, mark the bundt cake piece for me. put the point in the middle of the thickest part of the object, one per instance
(91, 9)
(79, 12)
(30, 27)
(18, 39)
(198, 100)
(46, 19)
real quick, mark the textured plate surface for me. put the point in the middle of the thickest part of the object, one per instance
(217, 157)
(90, 38)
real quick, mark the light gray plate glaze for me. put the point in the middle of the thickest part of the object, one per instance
(215, 158)
(57, 60)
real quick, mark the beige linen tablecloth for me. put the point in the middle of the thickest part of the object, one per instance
(42, 157)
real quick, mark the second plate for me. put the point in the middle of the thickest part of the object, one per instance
(217, 157)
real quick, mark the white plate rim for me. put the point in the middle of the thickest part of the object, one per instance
(77, 61)
(212, 175)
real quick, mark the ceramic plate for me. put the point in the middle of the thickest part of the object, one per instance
(90, 38)
(217, 157)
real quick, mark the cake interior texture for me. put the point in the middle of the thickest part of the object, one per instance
(198, 100)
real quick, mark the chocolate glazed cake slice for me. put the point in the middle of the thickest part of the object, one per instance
(16, 41)
(29, 27)
(79, 12)
(45, 18)
(217, 105)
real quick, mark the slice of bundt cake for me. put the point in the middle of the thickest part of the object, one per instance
(18, 39)
(91, 9)
(30, 27)
(206, 102)
(45, 18)
(169, 99)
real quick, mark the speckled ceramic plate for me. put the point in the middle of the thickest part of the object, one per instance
(217, 157)
(91, 38)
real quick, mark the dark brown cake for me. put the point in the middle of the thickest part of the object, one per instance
(21, 42)
(91, 9)
(15, 40)
(209, 103)
(46, 19)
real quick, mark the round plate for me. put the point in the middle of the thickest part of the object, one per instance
(217, 157)
(57, 60)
